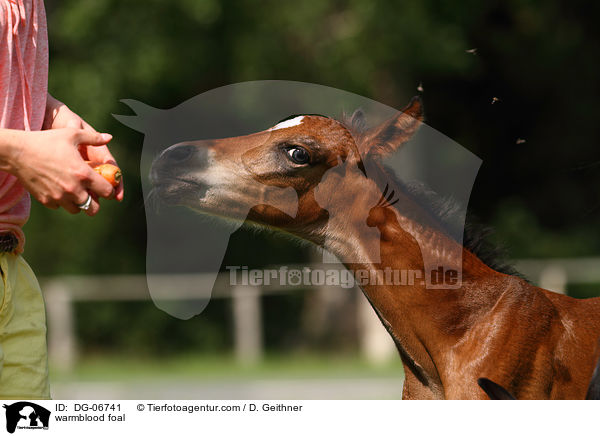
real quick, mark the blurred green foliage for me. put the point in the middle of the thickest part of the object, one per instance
(539, 57)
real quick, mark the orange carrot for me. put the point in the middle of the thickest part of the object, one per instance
(110, 172)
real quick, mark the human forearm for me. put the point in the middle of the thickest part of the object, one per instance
(52, 107)
(50, 167)
(10, 148)
(11, 140)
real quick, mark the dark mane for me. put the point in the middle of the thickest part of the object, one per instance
(445, 210)
(475, 235)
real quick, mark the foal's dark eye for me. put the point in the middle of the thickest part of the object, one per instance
(298, 155)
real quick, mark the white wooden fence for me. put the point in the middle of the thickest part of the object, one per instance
(376, 346)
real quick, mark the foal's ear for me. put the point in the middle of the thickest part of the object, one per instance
(494, 390)
(390, 135)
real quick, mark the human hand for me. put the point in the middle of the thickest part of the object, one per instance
(59, 116)
(50, 166)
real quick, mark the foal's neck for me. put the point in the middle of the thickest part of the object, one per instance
(425, 323)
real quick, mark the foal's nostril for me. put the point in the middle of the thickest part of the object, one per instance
(178, 153)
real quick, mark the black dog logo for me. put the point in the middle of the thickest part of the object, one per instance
(26, 415)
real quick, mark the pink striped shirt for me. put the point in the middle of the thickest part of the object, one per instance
(23, 91)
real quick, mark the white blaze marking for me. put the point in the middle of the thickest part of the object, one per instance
(288, 123)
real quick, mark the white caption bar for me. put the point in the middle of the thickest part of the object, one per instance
(298, 417)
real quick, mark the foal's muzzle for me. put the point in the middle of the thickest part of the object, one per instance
(178, 153)
(179, 161)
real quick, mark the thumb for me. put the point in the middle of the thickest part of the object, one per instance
(87, 137)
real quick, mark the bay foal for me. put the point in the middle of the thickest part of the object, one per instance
(497, 392)
(535, 343)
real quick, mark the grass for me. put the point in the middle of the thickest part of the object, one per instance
(224, 367)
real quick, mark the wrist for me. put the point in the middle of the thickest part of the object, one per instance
(11, 146)
(52, 103)
(52, 107)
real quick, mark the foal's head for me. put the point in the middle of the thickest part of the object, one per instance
(327, 163)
